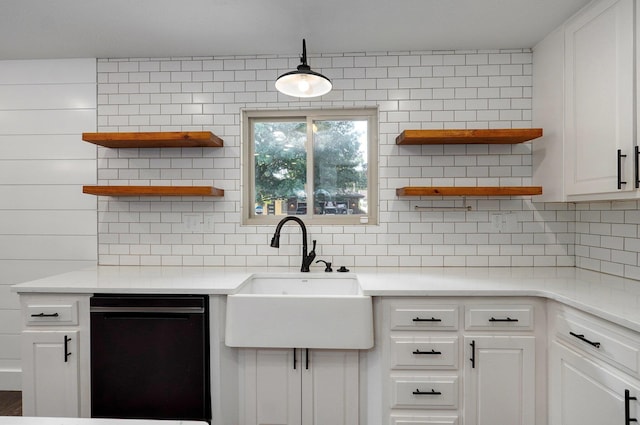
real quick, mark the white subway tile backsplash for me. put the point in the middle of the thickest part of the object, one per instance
(472, 89)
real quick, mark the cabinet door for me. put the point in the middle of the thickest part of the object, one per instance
(330, 382)
(499, 380)
(583, 392)
(599, 97)
(50, 373)
(270, 391)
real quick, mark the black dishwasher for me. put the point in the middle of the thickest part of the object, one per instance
(150, 357)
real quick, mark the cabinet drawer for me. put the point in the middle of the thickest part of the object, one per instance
(499, 317)
(54, 313)
(406, 317)
(425, 352)
(598, 337)
(428, 392)
(424, 420)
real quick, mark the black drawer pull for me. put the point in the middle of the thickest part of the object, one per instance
(433, 319)
(473, 354)
(627, 415)
(432, 392)
(507, 319)
(66, 348)
(582, 338)
(427, 352)
(45, 315)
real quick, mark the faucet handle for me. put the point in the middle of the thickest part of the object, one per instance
(327, 264)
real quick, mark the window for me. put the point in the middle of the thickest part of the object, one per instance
(320, 165)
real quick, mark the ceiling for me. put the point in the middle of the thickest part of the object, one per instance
(34, 29)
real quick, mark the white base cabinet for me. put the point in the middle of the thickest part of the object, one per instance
(593, 364)
(299, 387)
(471, 361)
(50, 373)
(588, 393)
(55, 356)
(500, 380)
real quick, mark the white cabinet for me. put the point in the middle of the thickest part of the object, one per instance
(593, 370)
(584, 392)
(499, 380)
(55, 355)
(589, 153)
(599, 65)
(50, 373)
(490, 370)
(298, 386)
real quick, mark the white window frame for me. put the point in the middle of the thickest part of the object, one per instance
(247, 188)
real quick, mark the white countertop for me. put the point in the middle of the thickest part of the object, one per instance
(613, 298)
(27, 420)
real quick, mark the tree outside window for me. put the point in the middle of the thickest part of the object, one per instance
(316, 165)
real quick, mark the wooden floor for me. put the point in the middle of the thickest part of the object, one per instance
(10, 403)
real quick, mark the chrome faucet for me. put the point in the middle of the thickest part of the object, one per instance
(306, 259)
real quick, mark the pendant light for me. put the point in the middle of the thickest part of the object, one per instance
(303, 82)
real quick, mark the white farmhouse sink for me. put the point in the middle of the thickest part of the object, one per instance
(299, 310)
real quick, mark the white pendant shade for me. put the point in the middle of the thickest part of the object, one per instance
(303, 82)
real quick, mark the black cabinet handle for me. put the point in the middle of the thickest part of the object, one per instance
(45, 315)
(306, 360)
(432, 392)
(582, 338)
(627, 415)
(473, 354)
(636, 165)
(620, 156)
(66, 348)
(507, 319)
(427, 352)
(295, 360)
(433, 319)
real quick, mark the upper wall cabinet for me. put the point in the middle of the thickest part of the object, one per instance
(599, 98)
(591, 60)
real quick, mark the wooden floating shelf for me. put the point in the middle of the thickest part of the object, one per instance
(469, 191)
(164, 139)
(153, 190)
(460, 137)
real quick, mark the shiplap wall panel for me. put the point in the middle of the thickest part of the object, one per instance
(48, 172)
(22, 271)
(9, 321)
(8, 299)
(55, 71)
(40, 222)
(45, 146)
(41, 196)
(47, 96)
(48, 247)
(47, 121)
(47, 226)
(9, 347)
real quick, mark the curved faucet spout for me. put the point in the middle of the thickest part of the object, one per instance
(306, 259)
